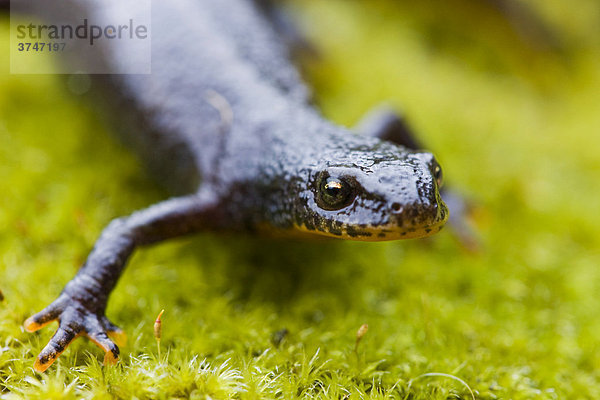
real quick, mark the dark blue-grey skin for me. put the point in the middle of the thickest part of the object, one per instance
(225, 122)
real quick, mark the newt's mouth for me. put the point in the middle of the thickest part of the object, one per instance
(422, 225)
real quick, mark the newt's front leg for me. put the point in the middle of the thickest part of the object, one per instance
(80, 307)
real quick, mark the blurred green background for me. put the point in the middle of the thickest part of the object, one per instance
(506, 94)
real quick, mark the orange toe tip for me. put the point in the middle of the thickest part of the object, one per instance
(41, 367)
(110, 359)
(119, 337)
(30, 325)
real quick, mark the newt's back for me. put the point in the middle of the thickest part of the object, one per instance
(219, 72)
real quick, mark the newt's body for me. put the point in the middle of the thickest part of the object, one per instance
(225, 122)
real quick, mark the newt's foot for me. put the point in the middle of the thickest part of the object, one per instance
(74, 320)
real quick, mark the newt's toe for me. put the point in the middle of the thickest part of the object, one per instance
(41, 365)
(110, 349)
(57, 345)
(44, 317)
(118, 336)
(110, 358)
(31, 325)
(114, 332)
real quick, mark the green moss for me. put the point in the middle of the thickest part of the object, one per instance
(515, 127)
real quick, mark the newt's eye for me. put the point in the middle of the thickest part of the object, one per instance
(438, 175)
(334, 193)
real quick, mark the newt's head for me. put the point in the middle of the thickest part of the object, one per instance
(371, 194)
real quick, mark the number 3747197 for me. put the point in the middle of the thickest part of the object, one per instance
(41, 46)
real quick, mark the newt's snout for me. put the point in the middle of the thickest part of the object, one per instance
(416, 208)
(418, 219)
